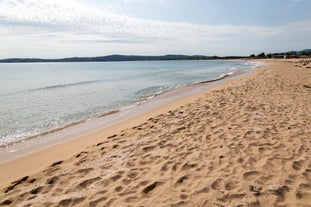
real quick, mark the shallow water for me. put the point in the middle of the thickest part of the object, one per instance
(40, 97)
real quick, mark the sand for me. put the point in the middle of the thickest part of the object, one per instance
(242, 143)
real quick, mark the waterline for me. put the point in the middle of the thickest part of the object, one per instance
(63, 95)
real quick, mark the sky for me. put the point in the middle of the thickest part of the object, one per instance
(84, 28)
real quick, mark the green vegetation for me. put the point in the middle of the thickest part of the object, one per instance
(112, 58)
(108, 58)
(291, 54)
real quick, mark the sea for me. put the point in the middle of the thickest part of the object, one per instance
(38, 98)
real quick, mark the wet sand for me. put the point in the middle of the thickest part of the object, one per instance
(70, 132)
(242, 143)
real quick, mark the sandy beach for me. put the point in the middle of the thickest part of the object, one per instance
(245, 142)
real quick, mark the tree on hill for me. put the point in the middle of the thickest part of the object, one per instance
(262, 55)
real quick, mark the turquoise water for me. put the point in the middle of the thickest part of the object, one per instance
(40, 97)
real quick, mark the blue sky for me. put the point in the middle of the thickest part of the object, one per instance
(66, 28)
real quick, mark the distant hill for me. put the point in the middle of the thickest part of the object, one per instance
(306, 50)
(298, 52)
(108, 58)
(306, 53)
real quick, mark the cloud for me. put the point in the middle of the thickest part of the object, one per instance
(146, 1)
(75, 16)
(74, 21)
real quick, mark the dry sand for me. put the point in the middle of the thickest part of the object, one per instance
(242, 143)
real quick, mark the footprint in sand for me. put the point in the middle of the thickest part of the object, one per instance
(151, 187)
(217, 184)
(304, 192)
(251, 175)
(16, 183)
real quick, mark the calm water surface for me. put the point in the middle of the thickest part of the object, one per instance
(40, 97)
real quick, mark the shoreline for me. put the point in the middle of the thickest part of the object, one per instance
(244, 142)
(127, 107)
(80, 139)
(18, 131)
(77, 129)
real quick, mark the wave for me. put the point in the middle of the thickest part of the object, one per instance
(11, 140)
(222, 76)
(52, 87)
(141, 96)
(66, 85)
(146, 92)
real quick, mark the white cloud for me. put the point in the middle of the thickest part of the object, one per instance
(79, 16)
(81, 21)
(145, 1)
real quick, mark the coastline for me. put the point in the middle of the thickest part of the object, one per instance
(253, 150)
(112, 124)
(16, 128)
(86, 133)
(61, 135)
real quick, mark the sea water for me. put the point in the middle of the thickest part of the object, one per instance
(36, 98)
